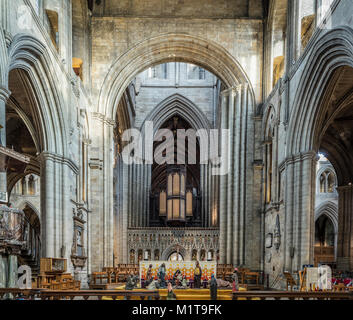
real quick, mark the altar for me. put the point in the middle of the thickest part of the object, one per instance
(186, 268)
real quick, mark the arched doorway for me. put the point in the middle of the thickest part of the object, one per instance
(324, 251)
(175, 256)
(336, 141)
(31, 253)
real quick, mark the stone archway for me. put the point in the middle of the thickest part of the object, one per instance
(171, 249)
(169, 48)
(314, 112)
(238, 99)
(30, 61)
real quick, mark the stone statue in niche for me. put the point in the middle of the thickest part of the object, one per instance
(79, 237)
(277, 234)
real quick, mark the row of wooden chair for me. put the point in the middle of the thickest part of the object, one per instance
(291, 283)
(58, 282)
(114, 274)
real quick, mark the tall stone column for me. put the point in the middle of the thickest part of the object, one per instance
(235, 202)
(298, 237)
(101, 176)
(345, 228)
(47, 205)
(108, 193)
(12, 273)
(223, 193)
(3, 271)
(4, 95)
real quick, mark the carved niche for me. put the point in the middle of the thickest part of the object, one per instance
(78, 252)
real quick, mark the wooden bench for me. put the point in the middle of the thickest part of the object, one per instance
(292, 295)
(99, 294)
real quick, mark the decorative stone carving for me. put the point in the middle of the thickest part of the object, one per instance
(161, 240)
(78, 252)
(277, 234)
(269, 240)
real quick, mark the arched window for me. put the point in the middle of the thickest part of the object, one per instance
(278, 34)
(31, 185)
(307, 21)
(53, 26)
(158, 72)
(24, 186)
(330, 182)
(323, 183)
(176, 256)
(194, 255)
(327, 182)
(156, 255)
(195, 72)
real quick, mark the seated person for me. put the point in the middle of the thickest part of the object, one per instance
(177, 278)
(131, 282)
(149, 276)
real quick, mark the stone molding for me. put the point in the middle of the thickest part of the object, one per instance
(59, 159)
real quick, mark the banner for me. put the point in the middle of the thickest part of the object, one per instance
(186, 268)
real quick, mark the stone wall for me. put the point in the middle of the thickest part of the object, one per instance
(114, 36)
(221, 9)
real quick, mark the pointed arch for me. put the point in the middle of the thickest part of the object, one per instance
(169, 48)
(171, 249)
(29, 55)
(31, 206)
(177, 104)
(333, 50)
(330, 209)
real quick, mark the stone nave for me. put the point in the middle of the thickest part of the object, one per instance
(75, 75)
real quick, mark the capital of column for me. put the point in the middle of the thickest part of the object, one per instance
(4, 94)
(301, 156)
(232, 90)
(57, 158)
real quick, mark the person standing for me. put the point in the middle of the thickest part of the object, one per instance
(149, 277)
(197, 275)
(235, 279)
(213, 288)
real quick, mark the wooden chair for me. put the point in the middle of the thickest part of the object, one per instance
(242, 272)
(339, 287)
(252, 276)
(290, 280)
(302, 280)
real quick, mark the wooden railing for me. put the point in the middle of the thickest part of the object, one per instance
(72, 294)
(17, 293)
(292, 295)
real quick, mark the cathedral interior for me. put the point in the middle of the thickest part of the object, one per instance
(76, 75)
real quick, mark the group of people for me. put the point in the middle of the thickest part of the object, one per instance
(179, 280)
